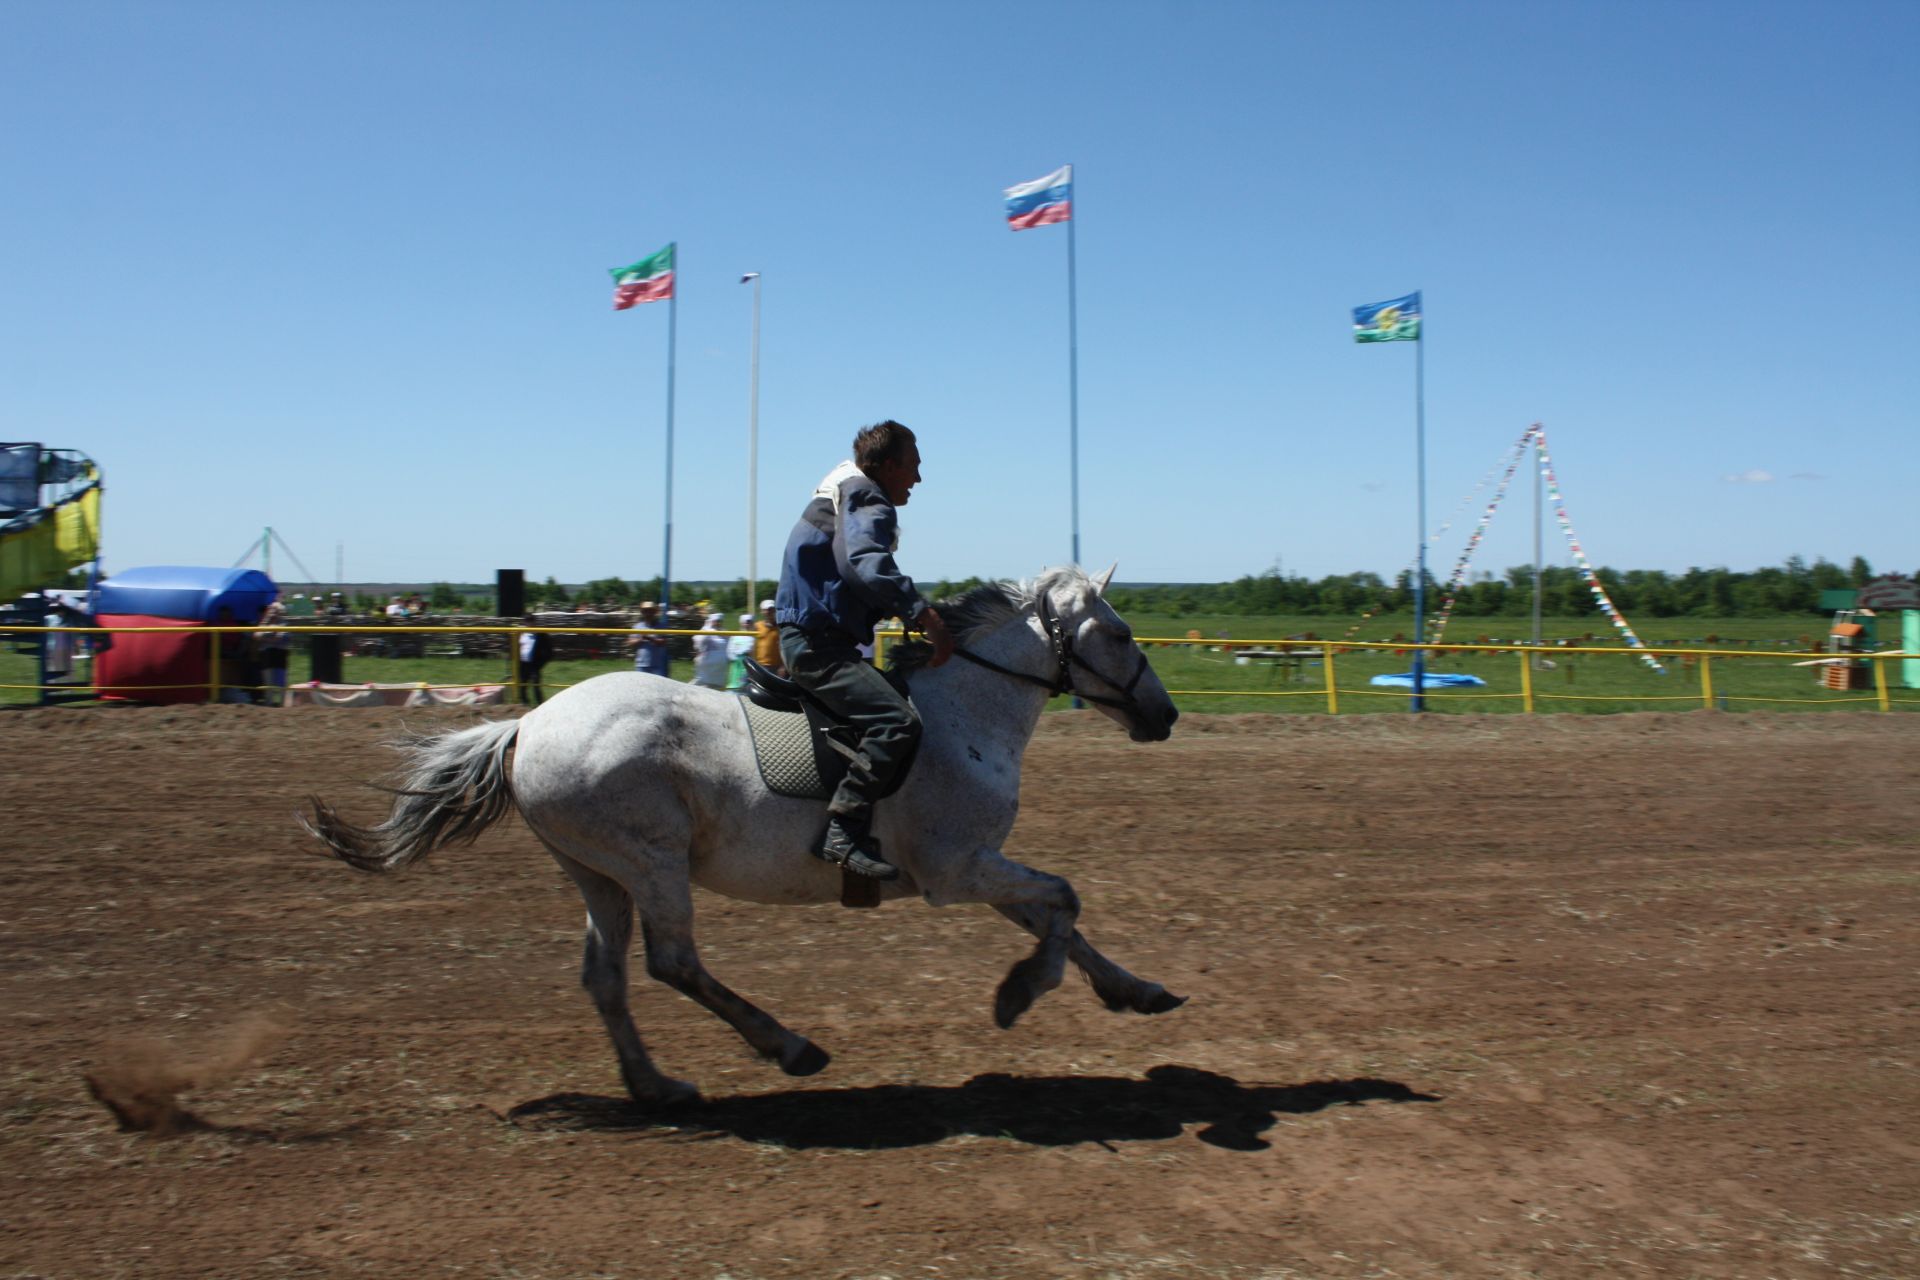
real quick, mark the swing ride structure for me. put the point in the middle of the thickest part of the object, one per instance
(1534, 438)
(1546, 483)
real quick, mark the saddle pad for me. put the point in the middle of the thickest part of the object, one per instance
(783, 747)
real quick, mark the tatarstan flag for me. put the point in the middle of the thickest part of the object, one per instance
(648, 280)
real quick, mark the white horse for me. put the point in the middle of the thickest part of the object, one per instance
(642, 787)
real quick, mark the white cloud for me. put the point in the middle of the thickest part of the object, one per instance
(1753, 475)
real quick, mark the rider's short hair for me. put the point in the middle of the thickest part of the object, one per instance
(881, 442)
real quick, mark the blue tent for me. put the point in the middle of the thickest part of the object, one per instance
(188, 593)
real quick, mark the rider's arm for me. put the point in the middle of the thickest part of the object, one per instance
(863, 547)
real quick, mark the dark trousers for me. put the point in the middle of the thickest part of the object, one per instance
(828, 665)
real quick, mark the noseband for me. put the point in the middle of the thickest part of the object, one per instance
(1065, 660)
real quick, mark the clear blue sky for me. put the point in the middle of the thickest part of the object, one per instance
(342, 270)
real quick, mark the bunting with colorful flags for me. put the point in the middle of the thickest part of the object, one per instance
(648, 280)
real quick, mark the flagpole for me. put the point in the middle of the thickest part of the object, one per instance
(1420, 472)
(1535, 442)
(673, 314)
(1073, 366)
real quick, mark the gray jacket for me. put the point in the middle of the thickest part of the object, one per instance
(838, 572)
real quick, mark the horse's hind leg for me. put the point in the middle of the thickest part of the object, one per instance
(666, 917)
(1117, 989)
(604, 975)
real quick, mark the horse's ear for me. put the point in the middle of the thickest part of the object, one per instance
(1100, 583)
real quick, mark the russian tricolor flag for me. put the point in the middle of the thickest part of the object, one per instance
(1041, 202)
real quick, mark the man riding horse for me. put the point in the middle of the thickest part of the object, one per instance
(837, 579)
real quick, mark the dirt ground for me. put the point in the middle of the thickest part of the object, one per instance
(1559, 996)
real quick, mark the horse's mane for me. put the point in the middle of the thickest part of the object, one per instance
(972, 614)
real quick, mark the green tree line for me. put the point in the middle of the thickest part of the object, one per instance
(1794, 587)
(1791, 588)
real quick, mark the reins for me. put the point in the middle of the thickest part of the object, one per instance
(1063, 651)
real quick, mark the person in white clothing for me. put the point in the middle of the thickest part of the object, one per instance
(710, 654)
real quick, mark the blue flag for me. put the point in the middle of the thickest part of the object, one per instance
(1397, 320)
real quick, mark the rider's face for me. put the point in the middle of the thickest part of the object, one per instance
(897, 476)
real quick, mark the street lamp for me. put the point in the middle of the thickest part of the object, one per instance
(753, 449)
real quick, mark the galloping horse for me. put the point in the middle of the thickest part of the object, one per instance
(642, 787)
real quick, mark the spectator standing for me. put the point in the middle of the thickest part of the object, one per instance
(766, 641)
(396, 610)
(649, 650)
(710, 654)
(233, 674)
(272, 648)
(536, 650)
(739, 649)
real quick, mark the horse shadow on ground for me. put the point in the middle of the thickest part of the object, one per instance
(1045, 1111)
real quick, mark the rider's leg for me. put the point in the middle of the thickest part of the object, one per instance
(831, 669)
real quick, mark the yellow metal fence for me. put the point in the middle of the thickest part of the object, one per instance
(1325, 653)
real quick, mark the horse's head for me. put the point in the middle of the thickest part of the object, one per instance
(1099, 659)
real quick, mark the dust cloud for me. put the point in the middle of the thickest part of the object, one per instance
(141, 1080)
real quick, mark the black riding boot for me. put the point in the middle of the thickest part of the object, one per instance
(848, 845)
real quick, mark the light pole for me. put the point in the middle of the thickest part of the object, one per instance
(753, 448)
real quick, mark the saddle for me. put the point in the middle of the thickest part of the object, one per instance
(803, 749)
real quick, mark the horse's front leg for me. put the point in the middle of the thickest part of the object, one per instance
(1117, 989)
(989, 876)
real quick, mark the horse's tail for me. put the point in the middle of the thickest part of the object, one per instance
(455, 788)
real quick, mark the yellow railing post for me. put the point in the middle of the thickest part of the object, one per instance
(1880, 683)
(1706, 682)
(513, 658)
(1333, 693)
(213, 665)
(1526, 683)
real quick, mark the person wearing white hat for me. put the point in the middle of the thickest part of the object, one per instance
(710, 654)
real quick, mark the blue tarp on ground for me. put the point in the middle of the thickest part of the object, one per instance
(1431, 680)
(187, 592)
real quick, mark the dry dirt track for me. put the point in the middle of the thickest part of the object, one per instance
(1567, 996)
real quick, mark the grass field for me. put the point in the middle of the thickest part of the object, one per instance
(1209, 679)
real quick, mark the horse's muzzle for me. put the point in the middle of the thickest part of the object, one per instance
(1151, 728)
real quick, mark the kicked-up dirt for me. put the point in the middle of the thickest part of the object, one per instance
(1503, 996)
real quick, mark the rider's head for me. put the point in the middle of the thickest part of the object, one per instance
(886, 451)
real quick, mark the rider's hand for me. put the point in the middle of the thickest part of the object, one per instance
(935, 629)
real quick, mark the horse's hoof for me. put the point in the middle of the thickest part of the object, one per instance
(808, 1059)
(1013, 998)
(1161, 1001)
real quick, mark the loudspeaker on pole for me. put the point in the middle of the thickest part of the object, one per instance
(510, 589)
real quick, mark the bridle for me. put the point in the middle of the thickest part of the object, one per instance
(1065, 660)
